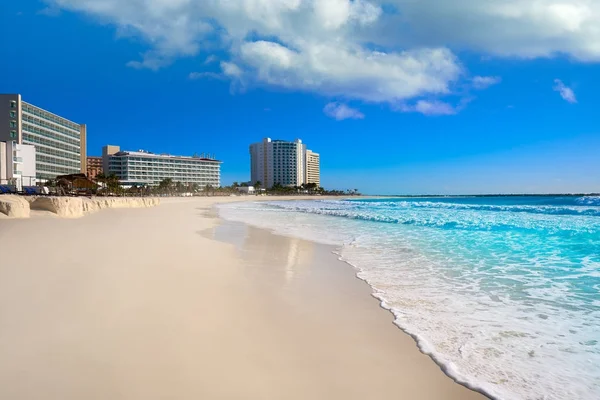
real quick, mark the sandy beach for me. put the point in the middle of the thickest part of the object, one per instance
(172, 303)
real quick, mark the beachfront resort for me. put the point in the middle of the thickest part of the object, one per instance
(60, 144)
(284, 163)
(39, 147)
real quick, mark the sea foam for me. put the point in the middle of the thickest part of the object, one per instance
(504, 293)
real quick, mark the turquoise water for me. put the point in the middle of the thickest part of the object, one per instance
(503, 292)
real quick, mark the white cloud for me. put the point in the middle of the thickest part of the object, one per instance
(319, 46)
(430, 108)
(565, 92)
(231, 70)
(206, 75)
(350, 71)
(211, 59)
(483, 82)
(341, 112)
(528, 29)
(312, 45)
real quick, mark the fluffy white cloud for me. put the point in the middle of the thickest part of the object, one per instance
(341, 112)
(308, 45)
(484, 82)
(565, 92)
(522, 28)
(351, 71)
(320, 46)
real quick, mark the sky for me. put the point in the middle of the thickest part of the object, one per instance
(398, 96)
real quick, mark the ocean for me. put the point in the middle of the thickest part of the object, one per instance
(502, 292)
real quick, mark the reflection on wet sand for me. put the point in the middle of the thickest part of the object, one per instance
(290, 257)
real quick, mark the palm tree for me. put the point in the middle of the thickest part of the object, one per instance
(113, 183)
(178, 187)
(165, 185)
(257, 186)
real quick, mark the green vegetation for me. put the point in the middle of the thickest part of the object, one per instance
(110, 185)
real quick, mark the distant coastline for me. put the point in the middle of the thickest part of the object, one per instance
(486, 195)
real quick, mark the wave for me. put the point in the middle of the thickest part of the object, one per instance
(450, 216)
(585, 206)
(588, 200)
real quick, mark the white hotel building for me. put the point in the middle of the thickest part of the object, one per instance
(17, 164)
(60, 144)
(285, 163)
(145, 168)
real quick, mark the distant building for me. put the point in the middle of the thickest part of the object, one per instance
(143, 167)
(281, 162)
(94, 167)
(17, 164)
(312, 168)
(60, 144)
(246, 189)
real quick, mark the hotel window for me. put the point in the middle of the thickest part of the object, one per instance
(13, 104)
(13, 114)
(13, 124)
(13, 134)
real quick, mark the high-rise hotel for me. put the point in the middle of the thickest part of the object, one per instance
(60, 144)
(284, 163)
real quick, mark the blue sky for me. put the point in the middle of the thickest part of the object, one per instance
(398, 97)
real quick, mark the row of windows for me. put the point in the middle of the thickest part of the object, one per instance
(49, 116)
(43, 132)
(188, 170)
(41, 158)
(164, 165)
(62, 149)
(146, 161)
(42, 149)
(51, 126)
(51, 171)
(117, 172)
(175, 178)
(51, 143)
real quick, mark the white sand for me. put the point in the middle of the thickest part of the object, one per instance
(143, 304)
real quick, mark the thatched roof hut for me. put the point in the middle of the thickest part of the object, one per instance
(76, 181)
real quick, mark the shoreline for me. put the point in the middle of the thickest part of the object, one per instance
(336, 251)
(158, 309)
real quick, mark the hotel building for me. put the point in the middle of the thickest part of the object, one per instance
(312, 167)
(145, 168)
(284, 163)
(94, 167)
(17, 164)
(60, 144)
